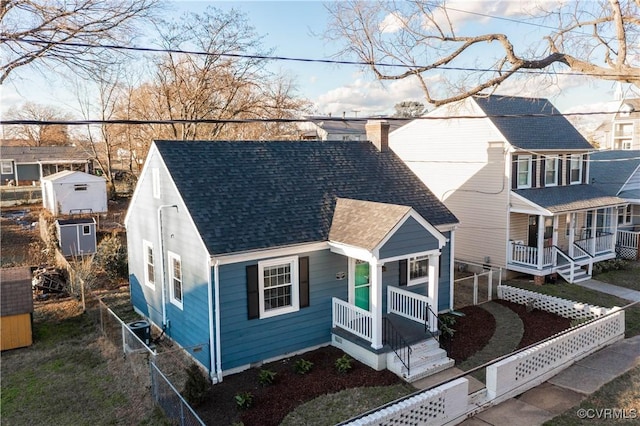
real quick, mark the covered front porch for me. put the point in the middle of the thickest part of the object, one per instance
(567, 243)
(389, 319)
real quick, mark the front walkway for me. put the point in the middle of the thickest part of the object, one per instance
(621, 292)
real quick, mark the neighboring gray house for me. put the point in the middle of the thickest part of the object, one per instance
(26, 165)
(617, 173)
(244, 252)
(76, 237)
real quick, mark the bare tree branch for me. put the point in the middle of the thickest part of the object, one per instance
(422, 37)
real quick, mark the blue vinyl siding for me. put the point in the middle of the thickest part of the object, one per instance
(411, 237)
(249, 341)
(189, 326)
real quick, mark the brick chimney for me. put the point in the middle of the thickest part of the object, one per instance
(378, 134)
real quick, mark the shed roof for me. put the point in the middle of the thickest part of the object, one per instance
(69, 176)
(247, 195)
(76, 221)
(531, 123)
(16, 294)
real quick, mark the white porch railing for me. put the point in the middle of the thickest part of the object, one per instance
(628, 239)
(352, 319)
(604, 243)
(519, 253)
(407, 304)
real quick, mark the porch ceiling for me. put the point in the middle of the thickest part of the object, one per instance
(560, 199)
(364, 223)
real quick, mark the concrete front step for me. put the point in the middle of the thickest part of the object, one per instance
(426, 358)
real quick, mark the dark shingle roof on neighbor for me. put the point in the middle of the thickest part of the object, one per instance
(610, 170)
(26, 154)
(255, 195)
(527, 124)
(558, 199)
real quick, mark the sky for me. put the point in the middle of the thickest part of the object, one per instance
(293, 29)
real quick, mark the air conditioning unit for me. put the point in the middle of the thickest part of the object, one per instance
(142, 329)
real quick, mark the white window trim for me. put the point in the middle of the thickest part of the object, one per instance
(627, 214)
(171, 256)
(620, 140)
(555, 171)
(571, 181)
(149, 283)
(295, 286)
(86, 227)
(155, 173)
(522, 158)
(6, 167)
(416, 281)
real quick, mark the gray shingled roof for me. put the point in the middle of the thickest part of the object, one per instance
(560, 199)
(609, 170)
(32, 154)
(253, 195)
(526, 123)
(364, 223)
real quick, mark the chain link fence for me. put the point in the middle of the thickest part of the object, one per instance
(134, 339)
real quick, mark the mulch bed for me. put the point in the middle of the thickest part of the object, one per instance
(273, 402)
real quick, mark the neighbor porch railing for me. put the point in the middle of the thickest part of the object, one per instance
(520, 253)
(604, 243)
(352, 319)
(628, 239)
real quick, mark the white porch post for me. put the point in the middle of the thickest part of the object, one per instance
(540, 242)
(614, 231)
(554, 238)
(594, 227)
(375, 281)
(572, 231)
(432, 290)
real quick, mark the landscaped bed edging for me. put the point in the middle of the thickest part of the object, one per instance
(556, 305)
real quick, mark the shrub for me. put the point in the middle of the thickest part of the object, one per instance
(302, 366)
(196, 386)
(266, 377)
(610, 265)
(446, 324)
(344, 364)
(111, 256)
(244, 400)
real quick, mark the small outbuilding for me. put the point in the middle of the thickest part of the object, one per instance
(16, 308)
(77, 237)
(69, 192)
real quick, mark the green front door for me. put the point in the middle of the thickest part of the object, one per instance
(362, 284)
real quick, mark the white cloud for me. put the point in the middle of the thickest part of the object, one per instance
(391, 23)
(368, 97)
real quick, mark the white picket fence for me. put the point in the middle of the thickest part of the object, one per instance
(450, 403)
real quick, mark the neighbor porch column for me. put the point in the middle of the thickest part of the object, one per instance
(594, 227)
(375, 281)
(572, 231)
(540, 242)
(434, 273)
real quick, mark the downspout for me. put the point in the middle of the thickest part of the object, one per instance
(211, 313)
(451, 268)
(216, 277)
(162, 266)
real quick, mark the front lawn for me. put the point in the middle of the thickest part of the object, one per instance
(628, 277)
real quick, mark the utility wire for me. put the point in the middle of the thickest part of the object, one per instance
(291, 59)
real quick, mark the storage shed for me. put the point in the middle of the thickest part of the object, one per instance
(16, 308)
(69, 192)
(77, 237)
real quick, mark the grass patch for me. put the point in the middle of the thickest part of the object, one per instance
(629, 277)
(622, 393)
(338, 407)
(585, 295)
(64, 377)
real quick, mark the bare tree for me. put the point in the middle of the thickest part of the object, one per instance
(409, 109)
(600, 39)
(31, 31)
(39, 135)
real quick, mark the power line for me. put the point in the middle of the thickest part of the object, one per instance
(30, 122)
(292, 59)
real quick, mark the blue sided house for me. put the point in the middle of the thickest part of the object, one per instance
(249, 251)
